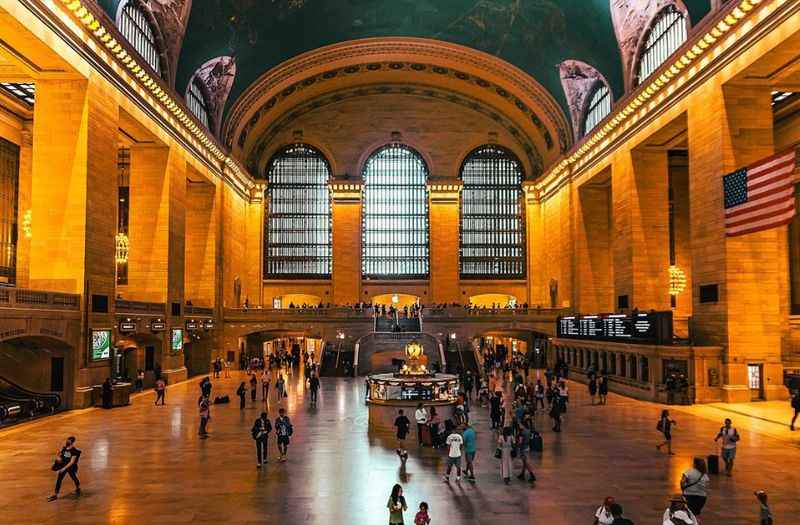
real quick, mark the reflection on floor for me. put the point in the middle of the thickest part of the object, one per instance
(145, 464)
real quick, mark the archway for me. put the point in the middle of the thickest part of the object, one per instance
(137, 351)
(493, 300)
(38, 368)
(398, 300)
(296, 300)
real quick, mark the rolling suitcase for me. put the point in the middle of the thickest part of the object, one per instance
(713, 464)
(537, 445)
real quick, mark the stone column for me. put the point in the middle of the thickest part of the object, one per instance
(252, 280)
(200, 274)
(24, 212)
(444, 240)
(537, 288)
(346, 220)
(594, 285)
(730, 127)
(641, 228)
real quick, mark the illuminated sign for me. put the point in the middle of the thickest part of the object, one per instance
(177, 340)
(641, 327)
(128, 325)
(158, 325)
(101, 344)
(208, 325)
(192, 325)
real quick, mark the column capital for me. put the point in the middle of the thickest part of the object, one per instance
(344, 190)
(445, 190)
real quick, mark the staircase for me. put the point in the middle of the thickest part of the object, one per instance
(381, 352)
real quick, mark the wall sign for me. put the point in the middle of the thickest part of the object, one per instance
(158, 325)
(127, 325)
(642, 327)
(192, 325)
(177, 340)
(101, 344)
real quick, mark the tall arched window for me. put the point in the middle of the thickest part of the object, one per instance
(492, 217)
(196, 101)
(599, 107)
(135, 27)
(395, 215)
(297, 241)
(667, 34)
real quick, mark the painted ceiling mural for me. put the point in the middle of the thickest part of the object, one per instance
(534, 35)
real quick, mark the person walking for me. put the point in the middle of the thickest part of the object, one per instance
(396, 505)
(795, 402)
(421, 417)
(265, 385)
(524, 436)
(678, 513)
(538, 393)
(496, 410)
(280, 387)
(242, 393)
(253, 385)
(603, 515)
(694, 485)
(227, 368)
(454, 443)
(765, 514)
(470, 449)
(313, 385)
(602, 389)
(555, 411)
(160, 388)
(730, 437)
(505, 444)
(402, 424)
(260, 432)
(563, 396)
(66, 464)
(284, 431)
(205, 415)
(108, 393)
(664, 426)
(592, 387)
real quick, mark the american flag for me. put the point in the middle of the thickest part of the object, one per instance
(760, 196)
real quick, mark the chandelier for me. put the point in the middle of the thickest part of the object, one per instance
(677, 280)
(123, 245)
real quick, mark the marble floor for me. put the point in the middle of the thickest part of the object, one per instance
(145, 464)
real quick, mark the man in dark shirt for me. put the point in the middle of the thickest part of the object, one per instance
(314, 386)
(284, 430)
(402, 424)
(616, 513)
(67, 464)
(261, 429)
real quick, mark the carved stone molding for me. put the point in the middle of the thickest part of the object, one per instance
(171, 17)
(216, 76)
(579, 80)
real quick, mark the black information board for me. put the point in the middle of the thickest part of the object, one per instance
(640, 327)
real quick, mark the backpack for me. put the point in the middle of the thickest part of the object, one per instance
(660, 425)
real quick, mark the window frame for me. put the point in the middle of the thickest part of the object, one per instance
(269, 230)
(197, 99)
(153, 55)
(593, 106)
(487, 187)
(649, 45)
(390, 258)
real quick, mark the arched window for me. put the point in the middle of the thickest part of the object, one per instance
(599, 107)
(196, 101)
(297, 241)
(395, 215)
(492, 217)
(667, 34)
(134, 26)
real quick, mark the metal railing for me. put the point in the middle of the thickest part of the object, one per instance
(191, 309)
(434, 313)
(303, 313)
(22, 298)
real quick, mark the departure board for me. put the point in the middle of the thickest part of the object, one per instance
(641, 327)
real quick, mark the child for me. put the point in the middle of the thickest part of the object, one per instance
(766, 514)
(422, 517)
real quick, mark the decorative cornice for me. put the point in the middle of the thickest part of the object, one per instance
(131, 70)
(418, 54)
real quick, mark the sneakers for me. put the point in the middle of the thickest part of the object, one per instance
(53, 497)
(258, 465)
(77, 492)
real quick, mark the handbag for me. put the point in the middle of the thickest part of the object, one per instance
(498, 453)
(57, 465)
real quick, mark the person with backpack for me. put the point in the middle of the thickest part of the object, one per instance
(242, 393)
(795, 402)
(664, 426)
(284, 431)
(603, 515)
(260, 432)
(402, 424)
(470, 449)
(730, 437)
(454, 443)
(66, 463)
(694, 485)
(602, 389)
(678, 513)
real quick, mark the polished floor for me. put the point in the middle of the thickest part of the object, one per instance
(146, 464)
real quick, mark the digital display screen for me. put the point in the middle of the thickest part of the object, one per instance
(177, 339)
(101, 344)
(654, 327)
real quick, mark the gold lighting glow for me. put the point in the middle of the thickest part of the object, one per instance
(123, 247)
(677, 280)
(27, 224)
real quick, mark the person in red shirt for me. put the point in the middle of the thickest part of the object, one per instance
(422, 517)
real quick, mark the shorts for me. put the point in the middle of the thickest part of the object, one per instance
(455, 462)
(728, 453)
(283, 440)
(470, 457)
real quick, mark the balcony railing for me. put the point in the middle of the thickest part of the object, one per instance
(191, 309)
(124, 306)
(455, 312)
(303, 313)
(22, 298)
